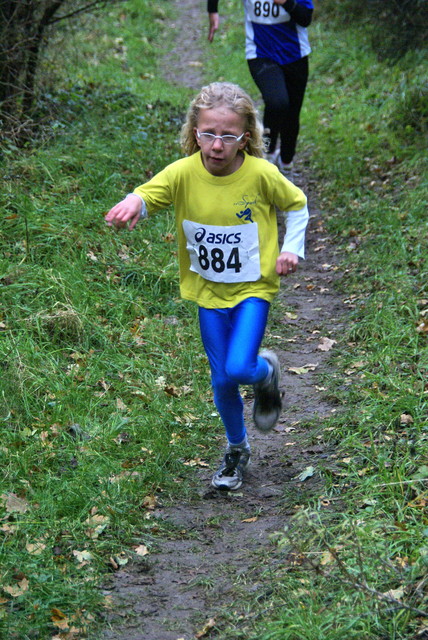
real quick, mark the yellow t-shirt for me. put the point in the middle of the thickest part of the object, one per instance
(248, 196)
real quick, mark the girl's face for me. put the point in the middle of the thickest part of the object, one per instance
(219, 158)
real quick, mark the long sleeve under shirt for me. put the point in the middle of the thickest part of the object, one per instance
(227, 227)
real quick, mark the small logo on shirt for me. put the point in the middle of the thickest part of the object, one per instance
(246, 211)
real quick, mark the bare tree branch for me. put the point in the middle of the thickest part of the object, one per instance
(77, 11)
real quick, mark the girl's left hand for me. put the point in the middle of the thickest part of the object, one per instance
(286, 263)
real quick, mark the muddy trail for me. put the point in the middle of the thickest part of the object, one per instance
(220, 553)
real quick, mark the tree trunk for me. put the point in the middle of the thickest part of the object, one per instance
(33, 57)
(23, 25)
(16, 19)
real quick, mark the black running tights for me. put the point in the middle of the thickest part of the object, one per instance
(283, 89)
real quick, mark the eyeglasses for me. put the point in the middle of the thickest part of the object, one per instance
(209, 138)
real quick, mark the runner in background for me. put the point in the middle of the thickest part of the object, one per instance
(277, 49)
(225, 197)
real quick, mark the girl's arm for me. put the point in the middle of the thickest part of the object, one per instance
(130, 209)
(293, 246)
(299, 13)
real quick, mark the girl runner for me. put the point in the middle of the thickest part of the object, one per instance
(225, 197)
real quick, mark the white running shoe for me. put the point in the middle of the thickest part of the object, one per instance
(272, 157)
(230, 475)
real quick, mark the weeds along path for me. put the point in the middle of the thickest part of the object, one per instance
(219, 558)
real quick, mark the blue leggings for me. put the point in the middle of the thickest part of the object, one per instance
(232, 338)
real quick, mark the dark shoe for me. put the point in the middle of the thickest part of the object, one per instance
(267, 398)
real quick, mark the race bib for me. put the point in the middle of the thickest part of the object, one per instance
(266, 12)
(223, 254)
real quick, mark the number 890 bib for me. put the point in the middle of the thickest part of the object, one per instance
(223, 254)
(266, 12)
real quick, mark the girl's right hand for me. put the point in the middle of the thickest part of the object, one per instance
(128, 210)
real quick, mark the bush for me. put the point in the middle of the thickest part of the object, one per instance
(411, 113)
(394, 28)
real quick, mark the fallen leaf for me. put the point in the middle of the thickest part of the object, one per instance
(421, 473)
(422, 327)
(326, 558)
(18, 589)
(125, 475)
(150, 502)
(250, 519)
(362, 472)
(108, 602)
(171, 390)
(302, 370)
(196, 462)
(91, 255)
(307, 473)
(121, 405)
(141, 550)
(83, 556)
(206, 628)
(397, 594)
(326, 344)
(59, 619)
(14, 504)
(120, 559)
(35, 548)
(96, 523)
(420, 502)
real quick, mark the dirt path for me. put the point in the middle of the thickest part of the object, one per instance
(221, 552)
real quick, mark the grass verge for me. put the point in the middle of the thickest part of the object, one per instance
(362, 571)
(105, 400)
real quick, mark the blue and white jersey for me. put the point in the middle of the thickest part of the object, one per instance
(271, 33)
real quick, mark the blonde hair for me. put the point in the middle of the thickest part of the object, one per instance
(231, 96)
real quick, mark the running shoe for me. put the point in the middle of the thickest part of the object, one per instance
(272, 157)
(267, 398)
(286, 168)
(229, 477)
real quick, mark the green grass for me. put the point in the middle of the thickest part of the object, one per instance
(104, 385)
